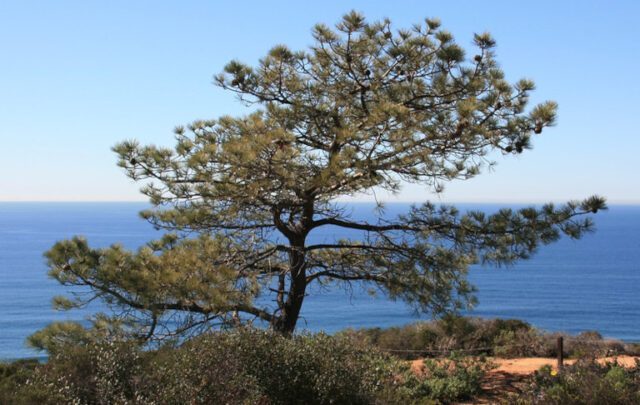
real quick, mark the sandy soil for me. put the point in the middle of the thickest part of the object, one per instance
(530, 364)
(527, 365)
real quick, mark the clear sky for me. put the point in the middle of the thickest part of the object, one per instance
(78, 77)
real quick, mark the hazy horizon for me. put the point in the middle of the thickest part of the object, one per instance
(614, 203)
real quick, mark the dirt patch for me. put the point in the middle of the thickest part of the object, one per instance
(527, 365)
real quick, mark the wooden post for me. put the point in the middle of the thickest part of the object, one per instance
(560, 356)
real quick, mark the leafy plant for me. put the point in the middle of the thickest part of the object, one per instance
(584, 383)
(447, 380)
(13, 380)
(243, 366)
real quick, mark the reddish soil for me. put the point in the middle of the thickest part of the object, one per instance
(530, 364)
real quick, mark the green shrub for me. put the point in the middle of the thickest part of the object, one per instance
(400, 339)
(13, 378)
(517, 343)
(633, 349)
(234, 367)
(586, 345)
(100, 373)
(198, 374)
(458, 378)
(584, 383)
(432, 339)
(498, 337)
(314, 369)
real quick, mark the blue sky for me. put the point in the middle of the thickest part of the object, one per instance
(78, 77)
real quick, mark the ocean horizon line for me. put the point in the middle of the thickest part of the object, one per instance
(612, 203)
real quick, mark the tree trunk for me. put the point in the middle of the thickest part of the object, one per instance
(285, 323)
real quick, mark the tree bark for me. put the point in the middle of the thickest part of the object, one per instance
(285, 323)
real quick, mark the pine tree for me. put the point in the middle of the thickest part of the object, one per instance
(364, 108)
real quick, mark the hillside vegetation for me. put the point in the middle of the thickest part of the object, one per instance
(253, 366)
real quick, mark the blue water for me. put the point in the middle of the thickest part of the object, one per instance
(589, 284)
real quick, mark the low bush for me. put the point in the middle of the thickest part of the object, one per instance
(235, 367)
(448, 380)
(495, 337)
(13, 379)
(199, 372)
(524, 342)
(314, 369)
(451, 333)
(584, 383)
(100, 373)
(633, 349)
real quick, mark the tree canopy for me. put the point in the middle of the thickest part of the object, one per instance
(365, 108)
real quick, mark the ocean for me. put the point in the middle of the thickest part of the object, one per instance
(571, 286)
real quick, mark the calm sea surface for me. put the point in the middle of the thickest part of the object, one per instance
(589, 284)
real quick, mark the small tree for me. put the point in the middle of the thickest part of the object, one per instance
(365, 108)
